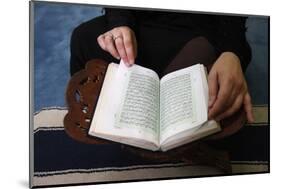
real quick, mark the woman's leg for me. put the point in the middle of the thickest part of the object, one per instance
(84, 46)
(197, 50)
(157, 46)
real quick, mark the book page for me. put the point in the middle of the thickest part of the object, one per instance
(190, 135)
(128, 107)
(139, 108)
(183, 105)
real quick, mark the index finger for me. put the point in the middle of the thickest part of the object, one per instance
(120, 48)
(128, 43)
(213, 87)
(219, 104)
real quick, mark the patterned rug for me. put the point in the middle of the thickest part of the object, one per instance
(60, 160)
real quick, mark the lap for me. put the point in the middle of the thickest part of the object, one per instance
(160, 49)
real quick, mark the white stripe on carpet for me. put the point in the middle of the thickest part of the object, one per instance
(53, 117)
(107, 176)
(49, 118)
(147, 173)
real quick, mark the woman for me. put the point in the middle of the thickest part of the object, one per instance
(167, 41)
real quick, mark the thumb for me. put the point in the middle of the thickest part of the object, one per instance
(213, 87)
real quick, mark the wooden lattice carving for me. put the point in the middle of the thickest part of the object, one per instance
(81, 96)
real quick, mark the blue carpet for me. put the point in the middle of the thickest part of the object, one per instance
(55, 22)
(53, 26)
(55, 150)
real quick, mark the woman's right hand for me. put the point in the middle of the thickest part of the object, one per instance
(120, 42)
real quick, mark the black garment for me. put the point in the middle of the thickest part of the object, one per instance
(160, 36)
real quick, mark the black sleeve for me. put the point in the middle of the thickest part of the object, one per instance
(230, 36)
(120, 17)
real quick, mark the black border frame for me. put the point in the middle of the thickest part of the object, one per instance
(31, 98)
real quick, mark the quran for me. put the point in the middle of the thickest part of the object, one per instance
(137, 108)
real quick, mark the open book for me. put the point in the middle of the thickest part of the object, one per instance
(137, 108)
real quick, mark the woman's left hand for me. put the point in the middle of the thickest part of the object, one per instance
(228, 89)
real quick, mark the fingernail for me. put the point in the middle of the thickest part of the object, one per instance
(131, 62)
(127, 64)
(125, 60)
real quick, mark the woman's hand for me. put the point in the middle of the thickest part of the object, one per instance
(227, 88)
(120, 42)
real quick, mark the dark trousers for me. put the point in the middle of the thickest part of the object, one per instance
(163, 50)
